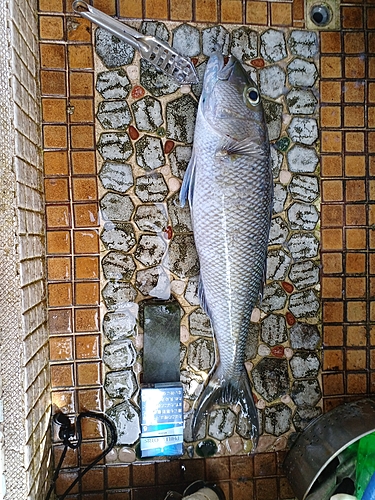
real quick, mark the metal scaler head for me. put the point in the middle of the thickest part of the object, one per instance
(157, 52)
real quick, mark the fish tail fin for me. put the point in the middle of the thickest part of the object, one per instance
(232, 391)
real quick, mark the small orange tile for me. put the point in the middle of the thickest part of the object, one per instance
(86, 242)
(354, 43)
(131, 9)
(356, 336)
(354, 91)
(84, 189)
(356, 311)
(371, 42)
(86, 215)
(55, 136)
(107, 6)
(332, 263)
(371, 215)
(330, 42)
(371, 238)
(51, 28)
(81, 110)
(92, 428)
(118, 477)
(56, 190)
(89, 399)
(331, 239)
(330, 92)
(355, 190)
(332, 190)
(58, 268)
(355, 166)
(355, 288)
(372, 310)
(80, 56)
(333, 312)
(51, 5)
(94, 479)
(90, 451)
(354, 116)
(54, 110)
(81, 83)
(256, 13)
(355, 239)
(83, 162)
(206, 10)
(87, 294)
(331, 166)
(87, 346)
(330, 116)
(156, 9)
(52, 56)
(354, 67)
(86, 320)
(299, 11)
(88, 373)
(333, 384)
(331, 141)
(281, 14)
(371, 142)
(55, 163)
(332, 335)
(333, 360)
(58, 216)
(355, 215)
(53, 82)
(86, 268)
(356, 383)
(62, 375)
(371, 165)
(181, 11)
(58, 242)
(59, 294)
(331, 288)
(231, 11)
(354, 142)
(372, 287)
(371, 116)
(60, 321)
(82, 136)
(352, 17)
(371, 66)
(370, 17)
(61, 348)
(63, 401)
(355, 263)
(330, 67)
(332, 215)
(78, 29)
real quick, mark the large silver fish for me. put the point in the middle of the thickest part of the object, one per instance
(228, 184)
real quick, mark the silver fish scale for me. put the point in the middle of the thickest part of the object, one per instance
(231, 219)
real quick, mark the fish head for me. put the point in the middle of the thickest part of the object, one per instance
(230, 99)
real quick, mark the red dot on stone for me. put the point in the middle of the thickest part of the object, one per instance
(138, 92)
(258, 63)
(288, 287)
(290, 319)
(277, 351)
(169, 145)
(133, 132)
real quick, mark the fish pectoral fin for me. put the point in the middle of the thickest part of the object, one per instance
(229, 147)
(187, 187)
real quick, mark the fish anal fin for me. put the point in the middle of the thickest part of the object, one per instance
(187, 187)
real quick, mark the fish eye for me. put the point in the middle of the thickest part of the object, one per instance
(252, 95)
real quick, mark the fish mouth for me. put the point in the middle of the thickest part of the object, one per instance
(233, 72)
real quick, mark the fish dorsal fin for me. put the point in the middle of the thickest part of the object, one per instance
(229, 147)
(202, 297)
(187, 188)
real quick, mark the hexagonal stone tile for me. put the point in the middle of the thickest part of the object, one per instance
(301, 102)
(114, 114)
(273, 112)
(277, 419)
(303, 130)
(274, 298)
(115, 146)
(148, 114)
(113, 84)
(149, 152)
(119, 324)
(245, 428)
(274, 330)
(221, 423)
(304, 336)
(252, 341)
(155, 82)
(120, 384)
(273, 46)
(198, 87)
(280, 194)
(199, 324)
(271, 378)
(180, 217)
(276, 161)
(179, 160)
(306, 392)
(116, 176)
(151, 218)
(303, 216)
(183, 256)
(186, 40)
(304, 274)
(303, 43)
(244, 43)
(154, 282)
(191, 292)
(118, 236)
(278, 263)
(151, 188)
(272, 81)
(304, 188)
(188, 428)
(304, 304)
(150, 250)
(191, 383)
(117, 295)
(302, 160)
(155, 28)
(303, 246)
(181, 115)
(303, 416)
(305, 365)
(213, 37)
(126, 419)
(120, 354)
(278, 231)
(112, 51)
(118, 266)
(302, 73)
(116, 207)
(201, 355)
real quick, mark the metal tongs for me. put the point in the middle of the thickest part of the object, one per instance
(157, 52)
